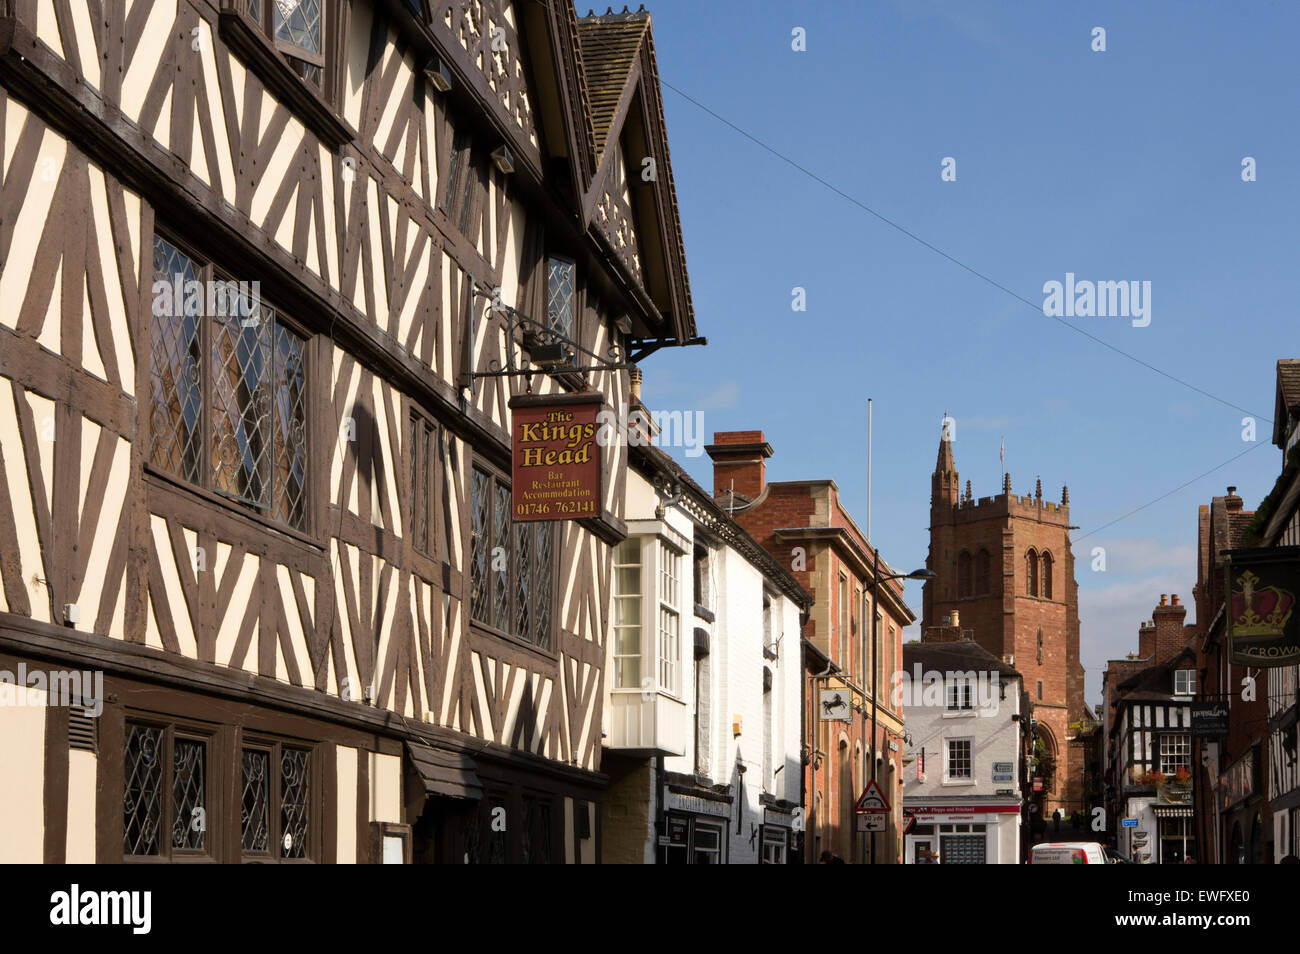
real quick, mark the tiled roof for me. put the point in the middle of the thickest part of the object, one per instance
(963, 655)
(1288, 382)
(610, 44)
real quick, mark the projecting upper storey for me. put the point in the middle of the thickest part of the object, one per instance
(353, 140)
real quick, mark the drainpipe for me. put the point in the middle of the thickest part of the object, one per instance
(661, 801)
(810, 830)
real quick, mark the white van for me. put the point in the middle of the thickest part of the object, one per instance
(1068, 853)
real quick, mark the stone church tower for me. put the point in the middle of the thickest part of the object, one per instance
(1004, 566)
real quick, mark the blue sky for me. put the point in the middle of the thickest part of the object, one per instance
(1122, 165)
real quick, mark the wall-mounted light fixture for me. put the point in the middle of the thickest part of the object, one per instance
(436, 72)
(502, 159)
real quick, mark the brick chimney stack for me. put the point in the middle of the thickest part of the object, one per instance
(1169, 634)
(739, 456)
(948, 630)
(1146, 640)
(1232, 502)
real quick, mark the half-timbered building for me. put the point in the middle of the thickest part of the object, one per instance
(270, 269)
(1148, 712)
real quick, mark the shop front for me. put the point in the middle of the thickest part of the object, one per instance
(962, 834)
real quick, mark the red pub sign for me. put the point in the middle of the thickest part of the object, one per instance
(556, 462)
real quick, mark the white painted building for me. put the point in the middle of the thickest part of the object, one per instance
(702, 708)
(964, 766)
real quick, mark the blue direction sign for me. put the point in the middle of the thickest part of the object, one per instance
(1130, 822)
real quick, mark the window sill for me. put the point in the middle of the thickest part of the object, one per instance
(958, 782)
(260, 54)
(230, 506)
(485, 630)
(962, 714)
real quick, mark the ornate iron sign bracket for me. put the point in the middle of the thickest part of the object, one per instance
(550, 351)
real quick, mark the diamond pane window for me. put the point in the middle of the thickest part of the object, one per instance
(289, 394)
(511, 566)
(142, 792)
(256, 801)
(561, 286)
(480, 548)
(298, 23)
(241, 411)
(175, 360)
(543, 551)
(247, 440)
(189, 787)
(294, 802)
(296, 28)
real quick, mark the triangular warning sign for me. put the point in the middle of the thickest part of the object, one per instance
(872, 799)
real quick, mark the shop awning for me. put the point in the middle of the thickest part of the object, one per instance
(450, 774)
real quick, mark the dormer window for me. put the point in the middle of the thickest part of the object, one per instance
(1185, 682)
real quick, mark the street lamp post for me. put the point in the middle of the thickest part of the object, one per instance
(876, 579)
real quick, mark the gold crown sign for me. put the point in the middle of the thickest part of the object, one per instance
(1259, 611)
(1262, 622)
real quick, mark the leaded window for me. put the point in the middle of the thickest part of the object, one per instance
(296, 27)
(143, 791)
(294, 790)
(421, 446)
(535, 837)
(165, 797)
(275, 802)
(228, 389)
(561, 295)
(511, 565)
(256, 815)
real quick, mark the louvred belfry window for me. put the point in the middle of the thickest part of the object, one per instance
(511, 565)
(228, 389)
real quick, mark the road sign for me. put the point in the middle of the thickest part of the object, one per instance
(1129, 823)
(836, 705)
(872, 799)
(873, 821)
(909, 822)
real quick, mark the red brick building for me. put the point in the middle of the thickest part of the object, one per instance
(1004, 564)
(804, 525)
(1233, 817)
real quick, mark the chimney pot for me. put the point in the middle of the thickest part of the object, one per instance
(1164, 599)
(1175, 599)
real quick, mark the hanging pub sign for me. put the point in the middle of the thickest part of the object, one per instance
(1263, 626)
(1209, 720)
(556, 465)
